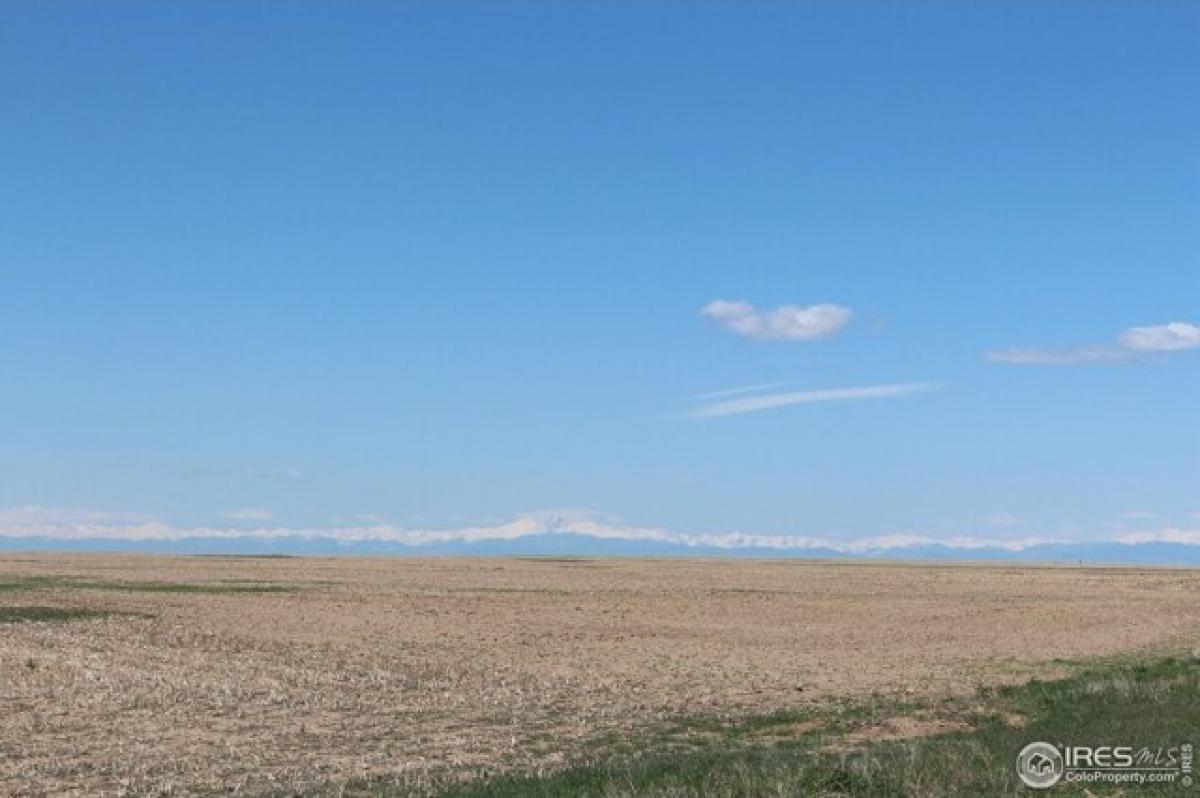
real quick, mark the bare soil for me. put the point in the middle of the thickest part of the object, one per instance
(422, 666)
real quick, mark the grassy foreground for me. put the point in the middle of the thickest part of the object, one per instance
(793, 754)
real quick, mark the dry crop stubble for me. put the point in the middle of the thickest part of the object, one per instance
(194, 678)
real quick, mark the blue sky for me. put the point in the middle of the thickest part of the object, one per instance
(443, 266)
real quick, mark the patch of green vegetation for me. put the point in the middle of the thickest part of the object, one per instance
(554, 559)
(185, 587)
(267, 556)
(543, 591)
(750, 772)
(48, 614)
(1112, 702)
(27, 583)
(71, 583)
(781, 718)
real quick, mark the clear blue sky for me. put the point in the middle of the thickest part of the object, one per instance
(444, 264)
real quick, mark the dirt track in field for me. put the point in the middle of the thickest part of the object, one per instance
(416, 666)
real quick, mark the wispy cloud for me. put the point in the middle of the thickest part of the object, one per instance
(249, 514)
(33, 516)
(784, 323)
(1031, 356)
(1132, 343)
(287, 472)
(770, 401)
(243, 473)
(1187, 537)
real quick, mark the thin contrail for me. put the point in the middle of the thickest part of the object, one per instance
(766, 386)
(755, 403)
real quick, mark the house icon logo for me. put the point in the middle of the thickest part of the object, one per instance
(1040, 765)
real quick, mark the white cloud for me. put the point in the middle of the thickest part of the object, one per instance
(773, 400)
(1132, 343)
(1173, 337)
(784, 323)
(250, 514)
(72, 525)
(77, 526)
